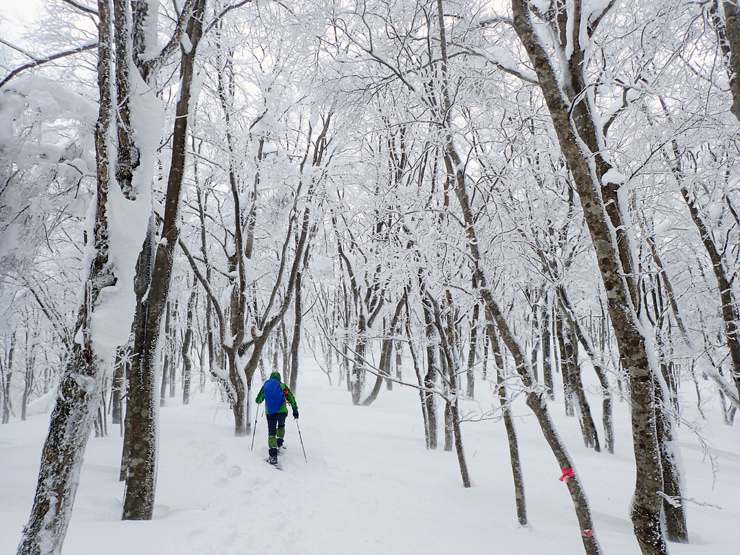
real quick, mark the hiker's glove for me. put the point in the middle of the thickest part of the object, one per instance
(295, 413)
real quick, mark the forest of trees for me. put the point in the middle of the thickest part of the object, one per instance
(202, 191)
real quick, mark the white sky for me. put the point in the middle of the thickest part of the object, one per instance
(14, 14)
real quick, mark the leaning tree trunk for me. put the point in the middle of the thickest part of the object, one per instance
(588, 428)
(576, 132)
(417, 371)
(386, 350)
(516, 464)
(606, 416)
(730, 312)
(536, 399)
(80, 386)
(141, 423)
(452, 413)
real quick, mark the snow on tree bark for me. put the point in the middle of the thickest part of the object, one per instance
(516, 463)
(536, 400)
(79, 391)
(141, 412)
(647, 503)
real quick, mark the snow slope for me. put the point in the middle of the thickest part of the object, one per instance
(369, 486)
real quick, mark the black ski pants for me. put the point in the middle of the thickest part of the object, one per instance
(275, 431)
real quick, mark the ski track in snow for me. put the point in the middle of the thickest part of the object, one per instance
(369, 486)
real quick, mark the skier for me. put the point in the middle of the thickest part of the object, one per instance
(275, 394)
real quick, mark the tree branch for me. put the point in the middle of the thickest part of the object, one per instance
(82, 8)
(42, 61)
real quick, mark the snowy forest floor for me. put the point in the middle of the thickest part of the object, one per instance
(369, 486)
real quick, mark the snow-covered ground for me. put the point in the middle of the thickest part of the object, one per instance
(369, 486)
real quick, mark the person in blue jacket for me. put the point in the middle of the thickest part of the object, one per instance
(276, 396)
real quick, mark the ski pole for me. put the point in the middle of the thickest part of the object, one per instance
(254, 429)
(301, 438)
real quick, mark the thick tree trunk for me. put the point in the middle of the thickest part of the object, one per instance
(64, 449)
(238, 397)
(647, 502)
(79, 389)
(728, 34)
(673, 502)
(141, 408)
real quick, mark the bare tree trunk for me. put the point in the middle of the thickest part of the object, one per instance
(449, 364)
(728, 35)
(473, 347)
(448, 391)
(429, 380)
(141, 407)
(607, 419)
(358, 372)
(546, 348)
(238, 396)
(566, 363)
(516, 464)
(297, 325)
(571, 366)
(28, 385)
(399, 359)
(187, 342)
(536, 331)
(167, 358)
(386, 351)
(7, 375)
(577, 136)
(171, 350)
(417, 371)
(673, 501)
(730, 313)
(119, 384)
(295, 344)
(81, 381)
